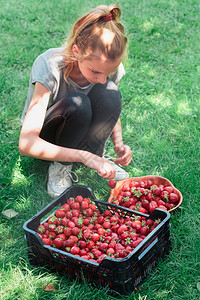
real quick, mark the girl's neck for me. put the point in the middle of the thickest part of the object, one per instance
(77, 76)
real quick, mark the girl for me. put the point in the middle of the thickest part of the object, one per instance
(73, 103)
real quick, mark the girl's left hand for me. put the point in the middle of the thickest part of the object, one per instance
(125, 155)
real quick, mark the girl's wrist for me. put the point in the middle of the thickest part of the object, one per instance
(84, 156)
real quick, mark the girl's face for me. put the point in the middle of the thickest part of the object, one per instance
(96, 68)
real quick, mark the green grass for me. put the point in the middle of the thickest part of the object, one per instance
(160, 118)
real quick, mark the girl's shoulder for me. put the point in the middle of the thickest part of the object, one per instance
(53, 54)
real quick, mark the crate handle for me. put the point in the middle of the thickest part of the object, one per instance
(147, 249)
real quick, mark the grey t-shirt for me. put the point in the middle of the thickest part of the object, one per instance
(48, 70)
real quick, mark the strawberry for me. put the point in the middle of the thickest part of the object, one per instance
(71, 224)
(41, 229)
(65, 221)
(100, 219)
(69, 243)
(65, 207)
(52, 235)
(173, 198)
(95, 237)
(84, 205)
(144, 230)
(110, 251)
(96, 253)
(145, 204)
(169, 189)
(57, 243)
(75, 250)
(122, 228)
(52, 220)
(89, 212)
(68, 231)
(162, 207)
(75, 231)
(107, 213)
(137, 242)
(52, 227)
(149, 222)
(60, 213)
(126, 187)
(106, 224)
(79, 198)
(153, 205)
(47, 241)
(82, 244)
(112, 183)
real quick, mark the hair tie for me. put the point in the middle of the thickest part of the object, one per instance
(107, 18)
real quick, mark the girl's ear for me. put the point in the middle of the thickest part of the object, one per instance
(76, 51)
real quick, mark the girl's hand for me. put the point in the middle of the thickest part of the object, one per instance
(104, 168)
(125, 155)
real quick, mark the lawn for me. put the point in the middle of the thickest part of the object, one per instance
(160, 120)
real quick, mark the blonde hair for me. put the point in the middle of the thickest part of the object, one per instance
(87, 33)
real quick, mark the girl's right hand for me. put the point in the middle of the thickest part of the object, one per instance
(104, 168)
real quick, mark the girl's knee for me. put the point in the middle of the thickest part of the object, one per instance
(106, 96)
(79, 106)
(74, 107)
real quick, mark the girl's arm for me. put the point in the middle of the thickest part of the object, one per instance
(30, 143)
(123, 151)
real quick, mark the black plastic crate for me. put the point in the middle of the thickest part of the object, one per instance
(121, 275)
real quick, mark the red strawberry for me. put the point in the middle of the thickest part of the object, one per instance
(64, 221)
(89, 212)
(145, 204)
(52, 235)
(91, 244)
(61, 236)
(169, 189)
(162, 207)
(75, 231)
(71, 224)
(46, 225)
(82, 244)
(153, 205)
(74, 238)
(110, 251)
(47, 241)
(137, 242)
(112, 183)
(68, 231)
(66, 207)
(96, 253)
(84, 205)
(69, 243)
(149, 222)
(144, 230)
(106, 224)
(126, 187)
(75, 205)
(95, 237)
(107, 213)
(41, 229)
(57, 243)
(52, 220)
(79, 198)
(101, 231)
(52, 227)
(75, 250)
(122, 228)
(173, 198)
(60, 213)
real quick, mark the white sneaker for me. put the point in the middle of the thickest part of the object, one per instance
(60, 178)
(120, 173)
